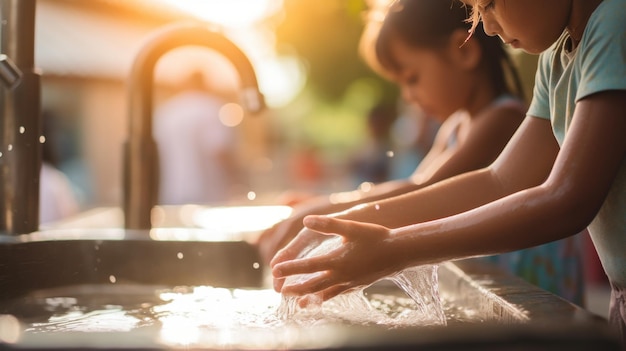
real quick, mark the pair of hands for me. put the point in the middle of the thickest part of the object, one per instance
(366, 254)
(279, 235)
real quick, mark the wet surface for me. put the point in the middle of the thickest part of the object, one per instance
(193, 315)
(115, 289)
(118, 307)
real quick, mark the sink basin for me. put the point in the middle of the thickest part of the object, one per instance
(506, 312)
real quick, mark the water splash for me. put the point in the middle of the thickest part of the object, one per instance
(419, 283)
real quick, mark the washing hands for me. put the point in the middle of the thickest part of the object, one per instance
(331, 256)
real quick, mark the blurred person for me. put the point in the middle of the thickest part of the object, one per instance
(413, 135)
(196, 150)
(564, 169)
(373, 163)
(57, 197)
(306, 168)
(421, 46)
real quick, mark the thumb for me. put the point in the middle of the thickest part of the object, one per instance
(346, 228)
(322, 224)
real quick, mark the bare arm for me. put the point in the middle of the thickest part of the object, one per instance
(486, 136)
(534, 158)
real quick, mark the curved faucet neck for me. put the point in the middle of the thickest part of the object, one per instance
(141, 160)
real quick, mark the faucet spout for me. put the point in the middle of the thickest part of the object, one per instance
(20, 126)
(141, 158)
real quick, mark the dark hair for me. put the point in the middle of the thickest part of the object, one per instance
(429, 24)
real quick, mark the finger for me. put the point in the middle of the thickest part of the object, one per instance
(324, 295)
(286, 236)
(320, 224)
(278, 284)
(302, 266)
(312, 285)
(293, 249)
(346, 228)
(310, 299)
(335, 290)
(274, 244)
(287, 253)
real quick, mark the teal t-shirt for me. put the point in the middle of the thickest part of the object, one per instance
(564, 77)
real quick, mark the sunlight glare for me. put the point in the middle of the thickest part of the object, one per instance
(229, 13)
(240, 219)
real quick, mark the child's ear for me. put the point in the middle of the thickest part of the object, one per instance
(466, 53)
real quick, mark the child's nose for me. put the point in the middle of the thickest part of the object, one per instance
(491, 26)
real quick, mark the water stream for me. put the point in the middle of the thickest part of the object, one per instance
(419, 283)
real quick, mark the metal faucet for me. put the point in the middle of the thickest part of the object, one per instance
(20, 129)
(141, 158)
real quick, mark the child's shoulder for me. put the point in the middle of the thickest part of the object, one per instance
(608, 19)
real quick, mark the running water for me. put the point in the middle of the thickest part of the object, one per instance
(419, 283)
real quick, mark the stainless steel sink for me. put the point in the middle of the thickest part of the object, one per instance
(91, 252)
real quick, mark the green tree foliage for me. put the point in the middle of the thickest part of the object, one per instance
(325, 34)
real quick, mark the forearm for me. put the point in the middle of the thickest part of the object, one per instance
(469, 190)
(442, 199)
(523, 219)
(342, 201)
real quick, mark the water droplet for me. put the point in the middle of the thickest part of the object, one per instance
(231, 114)
(22, 130)
(377, 207)
(251, 195)
(10, 147)
(180, 255)
(390, 154)
(112, 279)
(42, 139)
(256, 265)
(10, 329)
(0, 154)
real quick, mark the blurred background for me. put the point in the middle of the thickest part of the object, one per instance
(305, 54)
(332, 123)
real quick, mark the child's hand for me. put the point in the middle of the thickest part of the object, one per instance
(274, 238)
(364, 256)
(278, 236)
(302, 244)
